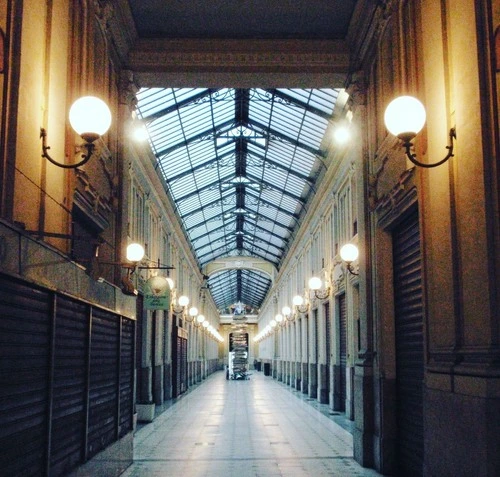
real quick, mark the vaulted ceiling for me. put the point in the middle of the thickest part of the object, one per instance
(241, 164)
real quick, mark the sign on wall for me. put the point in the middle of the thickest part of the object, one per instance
(157, 294)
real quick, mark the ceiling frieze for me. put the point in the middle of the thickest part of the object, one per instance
(242, 55)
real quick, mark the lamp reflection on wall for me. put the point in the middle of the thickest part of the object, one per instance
(91, 118)
(405, 117)
(349, 253)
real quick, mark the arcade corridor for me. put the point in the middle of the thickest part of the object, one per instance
(257, 427)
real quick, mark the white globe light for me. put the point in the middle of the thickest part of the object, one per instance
(140, 133)
(200, 318)
(341, 135)
(315, 283)
(90, 117)
(349, 252)
(206, 324)
(135, 252)
(183, 300)
(298, 300)
(278, 318)
(158, 285)
(193, 311)
(286, 310)
(405, 117)
(273, 323)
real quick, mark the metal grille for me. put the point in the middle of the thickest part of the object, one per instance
(409, 346)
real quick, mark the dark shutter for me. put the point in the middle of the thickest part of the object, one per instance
(127, 376)
(328, 327)
(409, 346)
(66, 380)
(70, 378)
(328, 345)
(179, 361)
(103, 381)
(342, 351)
(25, 335)
(316, 337)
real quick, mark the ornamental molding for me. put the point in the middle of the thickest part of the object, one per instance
(267, 55)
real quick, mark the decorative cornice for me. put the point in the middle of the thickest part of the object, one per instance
(232, 55)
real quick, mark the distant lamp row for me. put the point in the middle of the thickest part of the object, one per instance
(193, 316)
(349, 254)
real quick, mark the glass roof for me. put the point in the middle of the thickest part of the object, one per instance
(240, 166)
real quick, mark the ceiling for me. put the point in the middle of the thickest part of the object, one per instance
(240, 164)
(242, 19)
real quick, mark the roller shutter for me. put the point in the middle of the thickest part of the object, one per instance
(343, 350)
(409, 346)
(25, 336)
(70, 383)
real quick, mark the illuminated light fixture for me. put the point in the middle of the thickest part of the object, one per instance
(199, 320)
(273, 324)
(135, 252)
(300, 304)
(349, 253)
(193, 311)
(139, 131)
(316, 285)
(341, 135)
(179, 305)
(90, 117)
(279, 319)
(287, 313)
(205, 324)
(404, 118)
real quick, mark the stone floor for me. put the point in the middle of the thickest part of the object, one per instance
(258, 427)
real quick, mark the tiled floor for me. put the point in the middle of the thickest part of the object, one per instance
(257, 427)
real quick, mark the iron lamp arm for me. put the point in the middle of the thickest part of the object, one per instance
(413, 158)
(89, 146)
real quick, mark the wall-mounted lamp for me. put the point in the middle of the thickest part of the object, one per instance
(287, 313)
(349, 253)
(200, 319)
(301, 305)
(179, 305)
(280, 320)
(316, 285)
(192, 313)
(405, 117)
(135, 253)
(90, 117)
